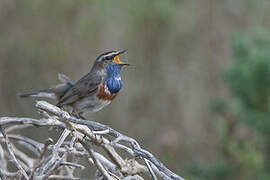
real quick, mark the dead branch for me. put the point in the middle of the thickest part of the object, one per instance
(51, 160)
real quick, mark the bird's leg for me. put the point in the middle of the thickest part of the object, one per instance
(81, 116)
(78, 115)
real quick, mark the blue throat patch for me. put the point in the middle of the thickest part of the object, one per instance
(113, 81)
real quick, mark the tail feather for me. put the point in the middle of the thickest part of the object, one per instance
(41, 94)
(25, 95)
(64, 79)
(52, 93)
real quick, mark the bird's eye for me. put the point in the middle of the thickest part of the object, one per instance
(108, 58)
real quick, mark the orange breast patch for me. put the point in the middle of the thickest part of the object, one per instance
(106, 96)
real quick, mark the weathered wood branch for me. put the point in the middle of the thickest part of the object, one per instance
(51, 160)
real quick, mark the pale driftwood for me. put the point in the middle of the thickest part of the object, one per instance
(51, 162)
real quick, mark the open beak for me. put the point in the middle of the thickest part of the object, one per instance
(125, 64)
(117, 60)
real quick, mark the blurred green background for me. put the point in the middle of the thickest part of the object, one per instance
(198, 95)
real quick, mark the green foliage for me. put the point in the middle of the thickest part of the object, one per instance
(249, 79)
(219, 170)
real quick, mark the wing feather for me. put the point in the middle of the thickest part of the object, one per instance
(86, 86)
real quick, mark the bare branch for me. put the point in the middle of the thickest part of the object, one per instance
(11, 153)
(61, 160)
(55, 151)
(96, 161)
(97, 126)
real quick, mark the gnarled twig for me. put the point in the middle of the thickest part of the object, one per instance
(52, 162)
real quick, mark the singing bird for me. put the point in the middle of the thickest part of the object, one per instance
(93, 91)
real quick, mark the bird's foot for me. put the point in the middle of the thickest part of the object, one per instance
(82, 117)
(78, 115)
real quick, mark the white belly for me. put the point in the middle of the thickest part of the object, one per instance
(90, 104)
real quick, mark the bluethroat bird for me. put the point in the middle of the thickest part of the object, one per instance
(93, 91)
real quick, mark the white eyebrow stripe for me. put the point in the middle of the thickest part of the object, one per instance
(110, 54)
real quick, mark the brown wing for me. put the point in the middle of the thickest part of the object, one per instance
(86, 86)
